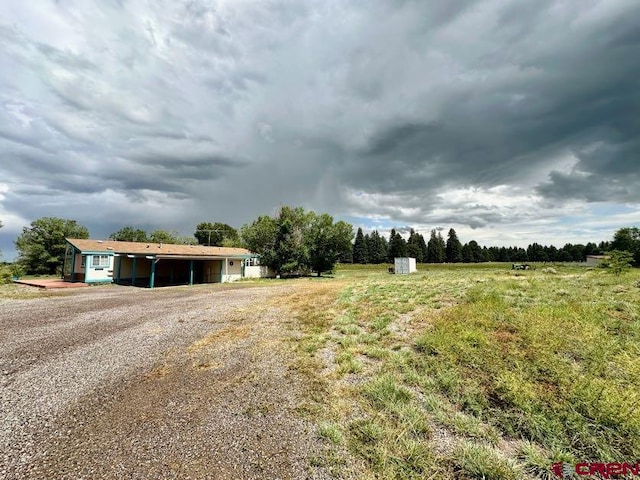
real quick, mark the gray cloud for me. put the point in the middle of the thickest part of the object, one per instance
(431, 113)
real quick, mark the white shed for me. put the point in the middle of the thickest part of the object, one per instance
(404, 265)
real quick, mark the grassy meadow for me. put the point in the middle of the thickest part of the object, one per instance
(470, 371)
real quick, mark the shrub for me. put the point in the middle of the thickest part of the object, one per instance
(5, 274)
(618, 262)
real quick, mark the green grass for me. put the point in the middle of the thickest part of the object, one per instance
(477, 461)
(518, 368)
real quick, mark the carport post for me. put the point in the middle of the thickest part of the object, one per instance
(226, 269)
(152, 279)
(119, 268)
(190, 272)
(73, 265)
(87, 261)
(133, 272)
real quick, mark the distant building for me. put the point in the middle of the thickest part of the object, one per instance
(404, 265)
(595, 260)
(152, 264)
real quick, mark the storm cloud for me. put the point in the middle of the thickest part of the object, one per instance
(513, 121)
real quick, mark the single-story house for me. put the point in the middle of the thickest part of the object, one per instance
(151, 264)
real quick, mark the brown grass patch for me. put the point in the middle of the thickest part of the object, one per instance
(228, 334)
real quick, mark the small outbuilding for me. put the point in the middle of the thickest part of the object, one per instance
(595, 260)
(404, 265)
(151, 264)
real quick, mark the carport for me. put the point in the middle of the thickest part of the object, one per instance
(166, 270)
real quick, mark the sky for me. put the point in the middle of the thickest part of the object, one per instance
(511, 121)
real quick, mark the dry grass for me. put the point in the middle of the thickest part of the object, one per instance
(15, 291)
(229, 334)
(514, 371)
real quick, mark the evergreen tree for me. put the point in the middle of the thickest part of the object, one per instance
(467, 253)
(423, 248)
(369, 240)
(383, 246)
(442, 247)
(591, 249)
(360, 250)
(413, 246)
(453, 248)
(476, 252)
(435, 248)
(397, 246)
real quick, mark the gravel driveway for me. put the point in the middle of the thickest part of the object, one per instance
(120, 382)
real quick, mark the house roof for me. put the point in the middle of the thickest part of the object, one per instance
(153, 248)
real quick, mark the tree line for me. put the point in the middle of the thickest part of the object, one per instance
(374, 248)
(295, 241)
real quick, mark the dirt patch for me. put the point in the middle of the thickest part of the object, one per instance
(168, 384)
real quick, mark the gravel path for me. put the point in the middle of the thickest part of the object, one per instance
(120, 382)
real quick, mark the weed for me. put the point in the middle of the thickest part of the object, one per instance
(331, 432)
(479, 461)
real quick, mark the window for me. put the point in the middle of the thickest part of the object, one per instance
(252, 262)
(100, 261)
(83, 261)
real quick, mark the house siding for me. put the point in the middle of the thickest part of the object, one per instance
(97, 274)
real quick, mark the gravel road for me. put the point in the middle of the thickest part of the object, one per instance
(120, 382)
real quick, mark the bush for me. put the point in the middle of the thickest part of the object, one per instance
(618, 262)
(5, 274)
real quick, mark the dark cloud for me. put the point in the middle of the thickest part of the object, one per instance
(483, 114)
(190, 160)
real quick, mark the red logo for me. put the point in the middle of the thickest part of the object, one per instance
(604, 470)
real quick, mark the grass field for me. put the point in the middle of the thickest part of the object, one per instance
(471, 371)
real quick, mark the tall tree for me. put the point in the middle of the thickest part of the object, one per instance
(435, 248)
(453, 249)
(442, 247)
(423, 247)
(291, 245)
(467, 253)
(42, 245)
(260, 237)
(591, 249)
(215, 234)
(370, 242)
(414, 248)
(378, 248)
(628, 239)
(129, 234)
(397, 245)
(326, 241)
(476, 252)
(283, 242)
(360, 248)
